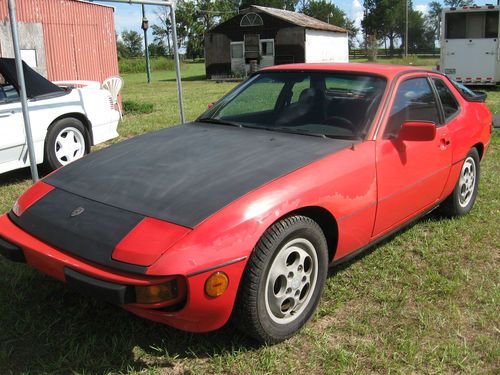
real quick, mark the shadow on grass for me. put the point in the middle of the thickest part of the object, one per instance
(201, 77)
(48, 328)
(432, 216)
(20, 175)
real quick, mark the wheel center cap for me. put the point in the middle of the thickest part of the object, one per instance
(296, 283)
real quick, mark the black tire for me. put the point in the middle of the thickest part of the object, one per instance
(458, 203)
(58, 127)
(253, 312)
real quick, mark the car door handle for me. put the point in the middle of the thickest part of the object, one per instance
(444, 143)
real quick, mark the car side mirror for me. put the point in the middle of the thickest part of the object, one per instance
(417, 131)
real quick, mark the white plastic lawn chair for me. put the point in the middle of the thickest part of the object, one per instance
(114, 84)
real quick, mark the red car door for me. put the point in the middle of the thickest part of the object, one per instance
(411, 175)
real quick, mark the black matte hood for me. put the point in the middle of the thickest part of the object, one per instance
(186, 173)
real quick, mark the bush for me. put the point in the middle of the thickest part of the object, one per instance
(138, 65)
(131, 106)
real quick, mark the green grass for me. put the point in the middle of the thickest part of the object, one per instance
(426, 301)
(138, 65)
(425, 62)
(134, 107)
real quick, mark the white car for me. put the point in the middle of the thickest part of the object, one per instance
(65, 122)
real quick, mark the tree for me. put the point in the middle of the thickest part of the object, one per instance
(194, 19)
(120, 47)
(433, 19)
(280, 4)
(132, 43)
(162, 32)
(329, 12)
(420, 37)
(386, 19)
(157, 49)
(457, 3)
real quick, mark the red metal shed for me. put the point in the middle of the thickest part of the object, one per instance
(63, 39)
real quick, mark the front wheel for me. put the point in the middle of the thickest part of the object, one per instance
(66, 141)
(462, 199)
(283, 281)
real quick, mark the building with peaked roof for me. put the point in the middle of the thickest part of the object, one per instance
(269, 36)
(63, 39)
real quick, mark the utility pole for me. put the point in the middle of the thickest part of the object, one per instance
(144, 27)
(406, 32)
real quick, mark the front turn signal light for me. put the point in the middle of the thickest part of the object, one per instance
(16, 209)
(216, 284)
(147, 294)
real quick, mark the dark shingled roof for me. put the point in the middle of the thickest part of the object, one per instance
(298, 19)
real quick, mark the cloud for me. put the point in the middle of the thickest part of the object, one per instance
(357, 12)
(423, 8)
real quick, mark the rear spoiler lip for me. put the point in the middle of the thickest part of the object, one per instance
(480, 97)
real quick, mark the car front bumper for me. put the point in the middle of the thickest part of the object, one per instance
(197, 313)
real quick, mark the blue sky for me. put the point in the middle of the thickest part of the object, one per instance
(128, 17)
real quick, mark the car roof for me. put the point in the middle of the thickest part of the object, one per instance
(386, 70)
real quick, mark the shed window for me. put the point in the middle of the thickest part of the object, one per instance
(267, 48)
(251, 19)
(237, 50)
(29, 57)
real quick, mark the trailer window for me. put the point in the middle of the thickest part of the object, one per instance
(473, 25)
(450, 104)
(491, 29)
(455, 25)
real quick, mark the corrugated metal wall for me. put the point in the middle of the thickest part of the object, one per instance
(79, 37)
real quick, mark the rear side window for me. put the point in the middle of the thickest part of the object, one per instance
(448, 100)
(415, 101)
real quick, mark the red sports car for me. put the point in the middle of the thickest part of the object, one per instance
(242, 211)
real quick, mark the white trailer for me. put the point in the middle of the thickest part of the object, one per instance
(469, 44)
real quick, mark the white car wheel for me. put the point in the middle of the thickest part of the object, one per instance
(67, 140)
(69, 145)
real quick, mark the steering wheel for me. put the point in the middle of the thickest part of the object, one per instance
(342, 122)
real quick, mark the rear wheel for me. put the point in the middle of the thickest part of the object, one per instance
(462, 199)
(283, 281)
(66, 141)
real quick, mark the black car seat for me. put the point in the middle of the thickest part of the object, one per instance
(308, 109)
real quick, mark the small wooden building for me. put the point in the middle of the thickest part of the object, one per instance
(268, 36)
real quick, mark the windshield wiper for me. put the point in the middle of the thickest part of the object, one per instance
(301, 132)
(313, 134)
(219, 122)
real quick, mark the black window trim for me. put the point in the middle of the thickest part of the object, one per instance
(444, 119)
(394, 91)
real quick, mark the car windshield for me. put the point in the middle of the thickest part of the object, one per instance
(327, 104)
